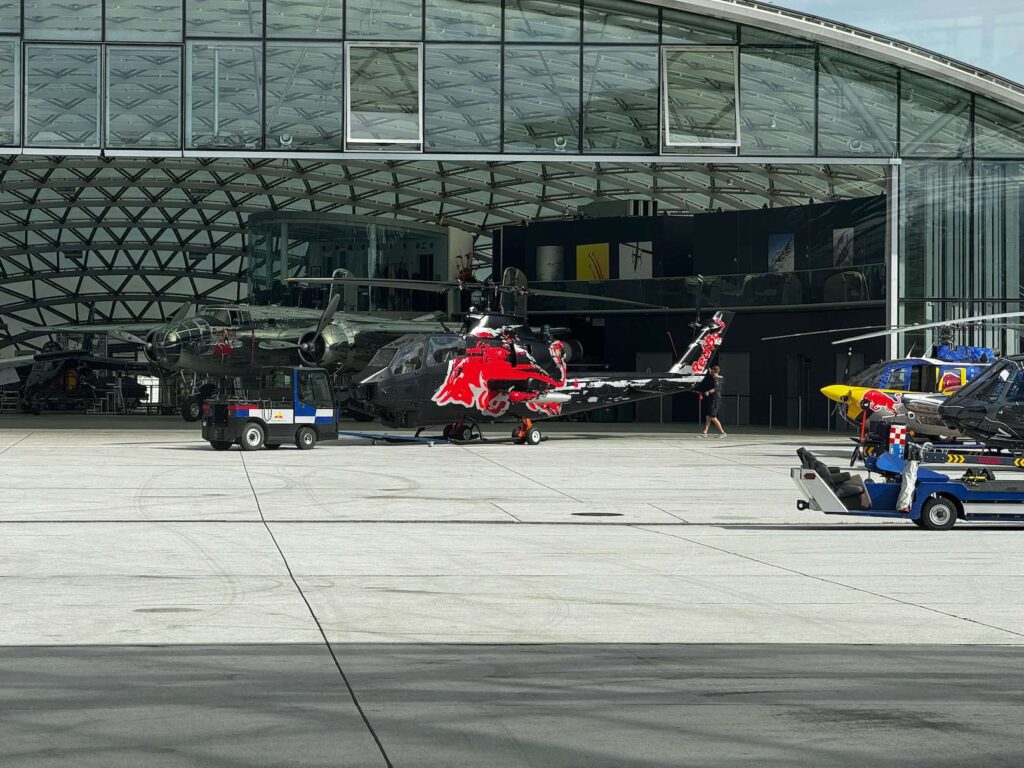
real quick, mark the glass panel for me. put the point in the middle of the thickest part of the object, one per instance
(9, 123)
(620, 100)
(391, 20)
(463, 97)
(700, 107)
(56, 20)
(384, 94)
(758, 36)
(682, 27)
(225, 96)
(857, 105)
(619, 21)
(144, 21)
(62, 102)
(935, 118)
(243, 18)
(143, 97)
(538, 21)
(998, 232)
(542, 99)
(304, 96)
(463, 20)
(777, 101)
(10, 16)
(998, 129)
(304, 18)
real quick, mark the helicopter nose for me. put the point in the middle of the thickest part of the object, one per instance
(837, 393)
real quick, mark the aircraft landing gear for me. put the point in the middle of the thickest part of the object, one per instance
(527, 434)
(460, 432)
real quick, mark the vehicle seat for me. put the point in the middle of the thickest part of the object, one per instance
(849, 489)
(808, 459)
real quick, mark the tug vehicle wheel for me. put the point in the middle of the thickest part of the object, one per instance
(252, 437)
(938, 514)
(221, 445)
(305, 438)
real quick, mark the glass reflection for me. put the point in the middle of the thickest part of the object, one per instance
(391, 20)
(935, 119)
(463, 20)
(857, 105)
(998, 129)
(304, 96)
(542, 99)
(10, 16)
(620, 100)
(777, 104)
(56, 20)
(143, 97)
(539, 21)
(9, 54)
(62, 102)
(384, 94)
(304, 18)
(463, 91)
(144, 21)
(681, 27)
(242, 18)
(225, 95)
(619, 21)
(700, 103)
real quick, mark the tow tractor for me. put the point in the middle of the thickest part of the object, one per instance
(286, 405)
(909, 491)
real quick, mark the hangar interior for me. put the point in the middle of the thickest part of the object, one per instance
(814, 175)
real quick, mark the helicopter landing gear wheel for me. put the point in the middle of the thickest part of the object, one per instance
(192, 409)
(460, 432)
(527, 434)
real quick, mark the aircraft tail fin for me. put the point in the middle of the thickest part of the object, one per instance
(697, 358)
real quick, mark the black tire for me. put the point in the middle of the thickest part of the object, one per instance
(305, 438)
(192, 409)
(272, 446)
(938, 514)
(221, 445)
(464, 433)
(918, 522)
(532, 436)
(252, 437)
(446, 433)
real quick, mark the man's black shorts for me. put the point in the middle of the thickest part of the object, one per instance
(711, 406)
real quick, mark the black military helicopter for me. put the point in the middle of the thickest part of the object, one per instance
(499, 369)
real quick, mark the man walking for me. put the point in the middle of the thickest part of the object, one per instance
(711, 391)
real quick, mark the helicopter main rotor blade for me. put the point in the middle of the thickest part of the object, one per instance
(824, 333)
(439, 286)
(924, 326)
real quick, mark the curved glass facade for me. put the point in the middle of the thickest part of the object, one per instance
(588, 77)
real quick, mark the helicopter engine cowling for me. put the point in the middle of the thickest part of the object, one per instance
(572, 350)
(334, 348)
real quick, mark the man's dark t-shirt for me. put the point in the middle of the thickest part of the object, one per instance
(712, 384)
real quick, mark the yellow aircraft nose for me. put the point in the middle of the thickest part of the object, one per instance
(837, 393)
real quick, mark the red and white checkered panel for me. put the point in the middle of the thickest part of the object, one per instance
(898, 434)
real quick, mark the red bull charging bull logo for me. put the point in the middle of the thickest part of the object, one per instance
(876, 401)
(468, 381)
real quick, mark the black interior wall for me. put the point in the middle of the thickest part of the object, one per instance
(726, 243)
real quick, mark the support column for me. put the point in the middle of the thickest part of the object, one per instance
(893, 265)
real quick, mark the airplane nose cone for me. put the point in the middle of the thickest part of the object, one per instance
(837, 393)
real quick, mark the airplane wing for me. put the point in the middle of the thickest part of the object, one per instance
(16, 362)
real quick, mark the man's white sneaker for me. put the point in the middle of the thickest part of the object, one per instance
(722, 436)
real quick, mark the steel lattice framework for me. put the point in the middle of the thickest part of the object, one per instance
(132, 238)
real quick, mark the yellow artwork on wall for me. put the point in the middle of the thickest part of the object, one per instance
(592, 262)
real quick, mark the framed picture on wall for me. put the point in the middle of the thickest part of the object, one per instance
(781, 252)
(592, 262)
(636, 260)
(842, 247)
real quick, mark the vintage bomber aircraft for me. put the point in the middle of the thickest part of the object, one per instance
(224, 341)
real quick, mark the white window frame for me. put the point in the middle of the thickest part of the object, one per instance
(19, 128)
(384, 143)
(106, 87)
(666, 133)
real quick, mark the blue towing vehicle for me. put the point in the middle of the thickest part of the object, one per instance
(283, 405)
(931, 500)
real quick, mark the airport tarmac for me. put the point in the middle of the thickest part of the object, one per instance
(611, 597)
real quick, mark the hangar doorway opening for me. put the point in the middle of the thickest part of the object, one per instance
(789, 248)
